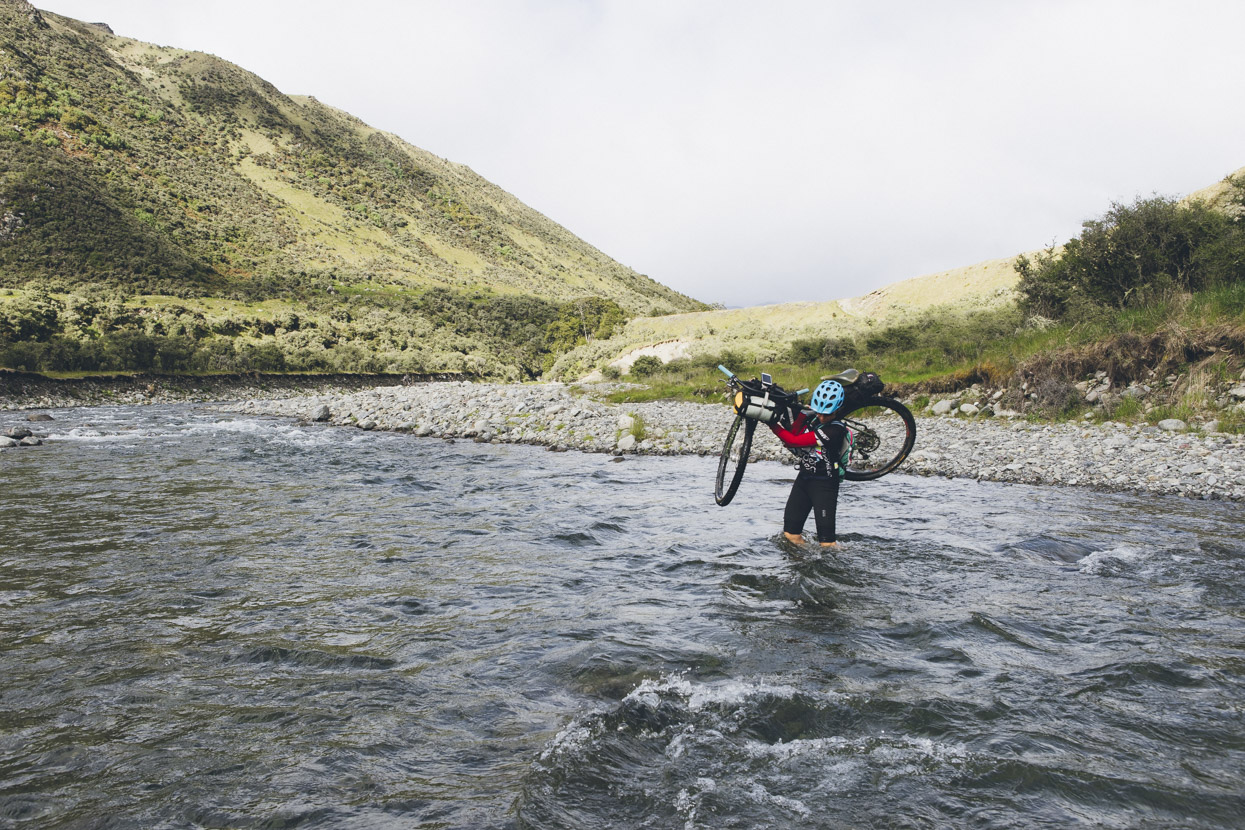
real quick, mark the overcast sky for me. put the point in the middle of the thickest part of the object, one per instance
(765, 151)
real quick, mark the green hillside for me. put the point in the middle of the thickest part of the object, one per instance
(1140, 317)
(197, 201)
(1166, 252)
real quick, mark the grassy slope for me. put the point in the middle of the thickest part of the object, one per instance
(1198, 342)
(764, 333)
(206, 177)
(1186, 349)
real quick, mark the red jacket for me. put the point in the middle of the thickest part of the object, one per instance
(800, 434)
(816, 458)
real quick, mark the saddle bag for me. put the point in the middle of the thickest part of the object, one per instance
(869, 384)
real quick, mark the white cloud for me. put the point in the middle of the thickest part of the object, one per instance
(746, 152)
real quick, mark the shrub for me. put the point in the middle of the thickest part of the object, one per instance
(840, 348)
(822, 351)
(1133, 255)
(731, 359)
(34, 317)
(806, 351)
(893, 339)
(646, 365)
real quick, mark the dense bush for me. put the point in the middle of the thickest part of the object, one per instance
(582, 321)
(1134, 255)
(895, 339)
(33, 317)
(646, 365)
(509, 336)
(822, 350)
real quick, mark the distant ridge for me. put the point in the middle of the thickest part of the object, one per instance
(765, 333)
(176, 172)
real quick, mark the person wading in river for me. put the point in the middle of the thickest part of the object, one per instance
(820, 441)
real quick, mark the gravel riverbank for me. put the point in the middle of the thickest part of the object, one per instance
(27, 390)
(1107, 456)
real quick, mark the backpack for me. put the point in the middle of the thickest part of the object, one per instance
(849, 443)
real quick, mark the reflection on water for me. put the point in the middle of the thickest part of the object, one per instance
(236, 622)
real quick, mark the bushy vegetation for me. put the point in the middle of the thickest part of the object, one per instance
(1153, 287)
(164, 210)
(646, 365)
(1134, 256)
(103, 329)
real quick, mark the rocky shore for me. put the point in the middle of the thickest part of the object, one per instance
(1109, 456)
(27, 390)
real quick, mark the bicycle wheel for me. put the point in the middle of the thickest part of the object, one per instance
(733, 460)
(885, 432)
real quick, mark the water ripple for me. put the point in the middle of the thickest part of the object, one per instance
(244, 622)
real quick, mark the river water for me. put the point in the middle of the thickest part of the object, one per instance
(219, 621)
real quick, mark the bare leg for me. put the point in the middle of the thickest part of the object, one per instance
(794, 538)
(831, 545)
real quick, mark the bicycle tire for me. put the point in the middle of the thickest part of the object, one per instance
(894, 437)
(723, 491)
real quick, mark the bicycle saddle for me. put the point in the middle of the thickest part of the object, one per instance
(847, 377)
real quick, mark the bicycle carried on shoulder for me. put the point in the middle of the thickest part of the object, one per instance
(883, 429)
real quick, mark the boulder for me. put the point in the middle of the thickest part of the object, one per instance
(6, 441)
(1237, 392)
(39, 416)
(1172, 425)
(626, 442)
(19, 433)
(625, 422)
(31, 441)
(943, 407)
(321, 414)
(969, 409)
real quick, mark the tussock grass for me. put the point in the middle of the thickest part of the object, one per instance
(638, 429)
(1199, 337)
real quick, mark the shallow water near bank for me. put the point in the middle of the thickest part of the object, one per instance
(215, 621)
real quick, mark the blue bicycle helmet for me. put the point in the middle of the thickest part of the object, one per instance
(827, 397)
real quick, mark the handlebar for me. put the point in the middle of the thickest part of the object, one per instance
(732, 377)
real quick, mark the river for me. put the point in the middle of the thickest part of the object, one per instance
(210, 620)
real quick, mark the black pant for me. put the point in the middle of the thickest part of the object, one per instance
(817, 493)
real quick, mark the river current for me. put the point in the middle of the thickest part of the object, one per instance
(214, 621)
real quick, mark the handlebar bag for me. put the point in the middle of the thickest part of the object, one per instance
(760, 407)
